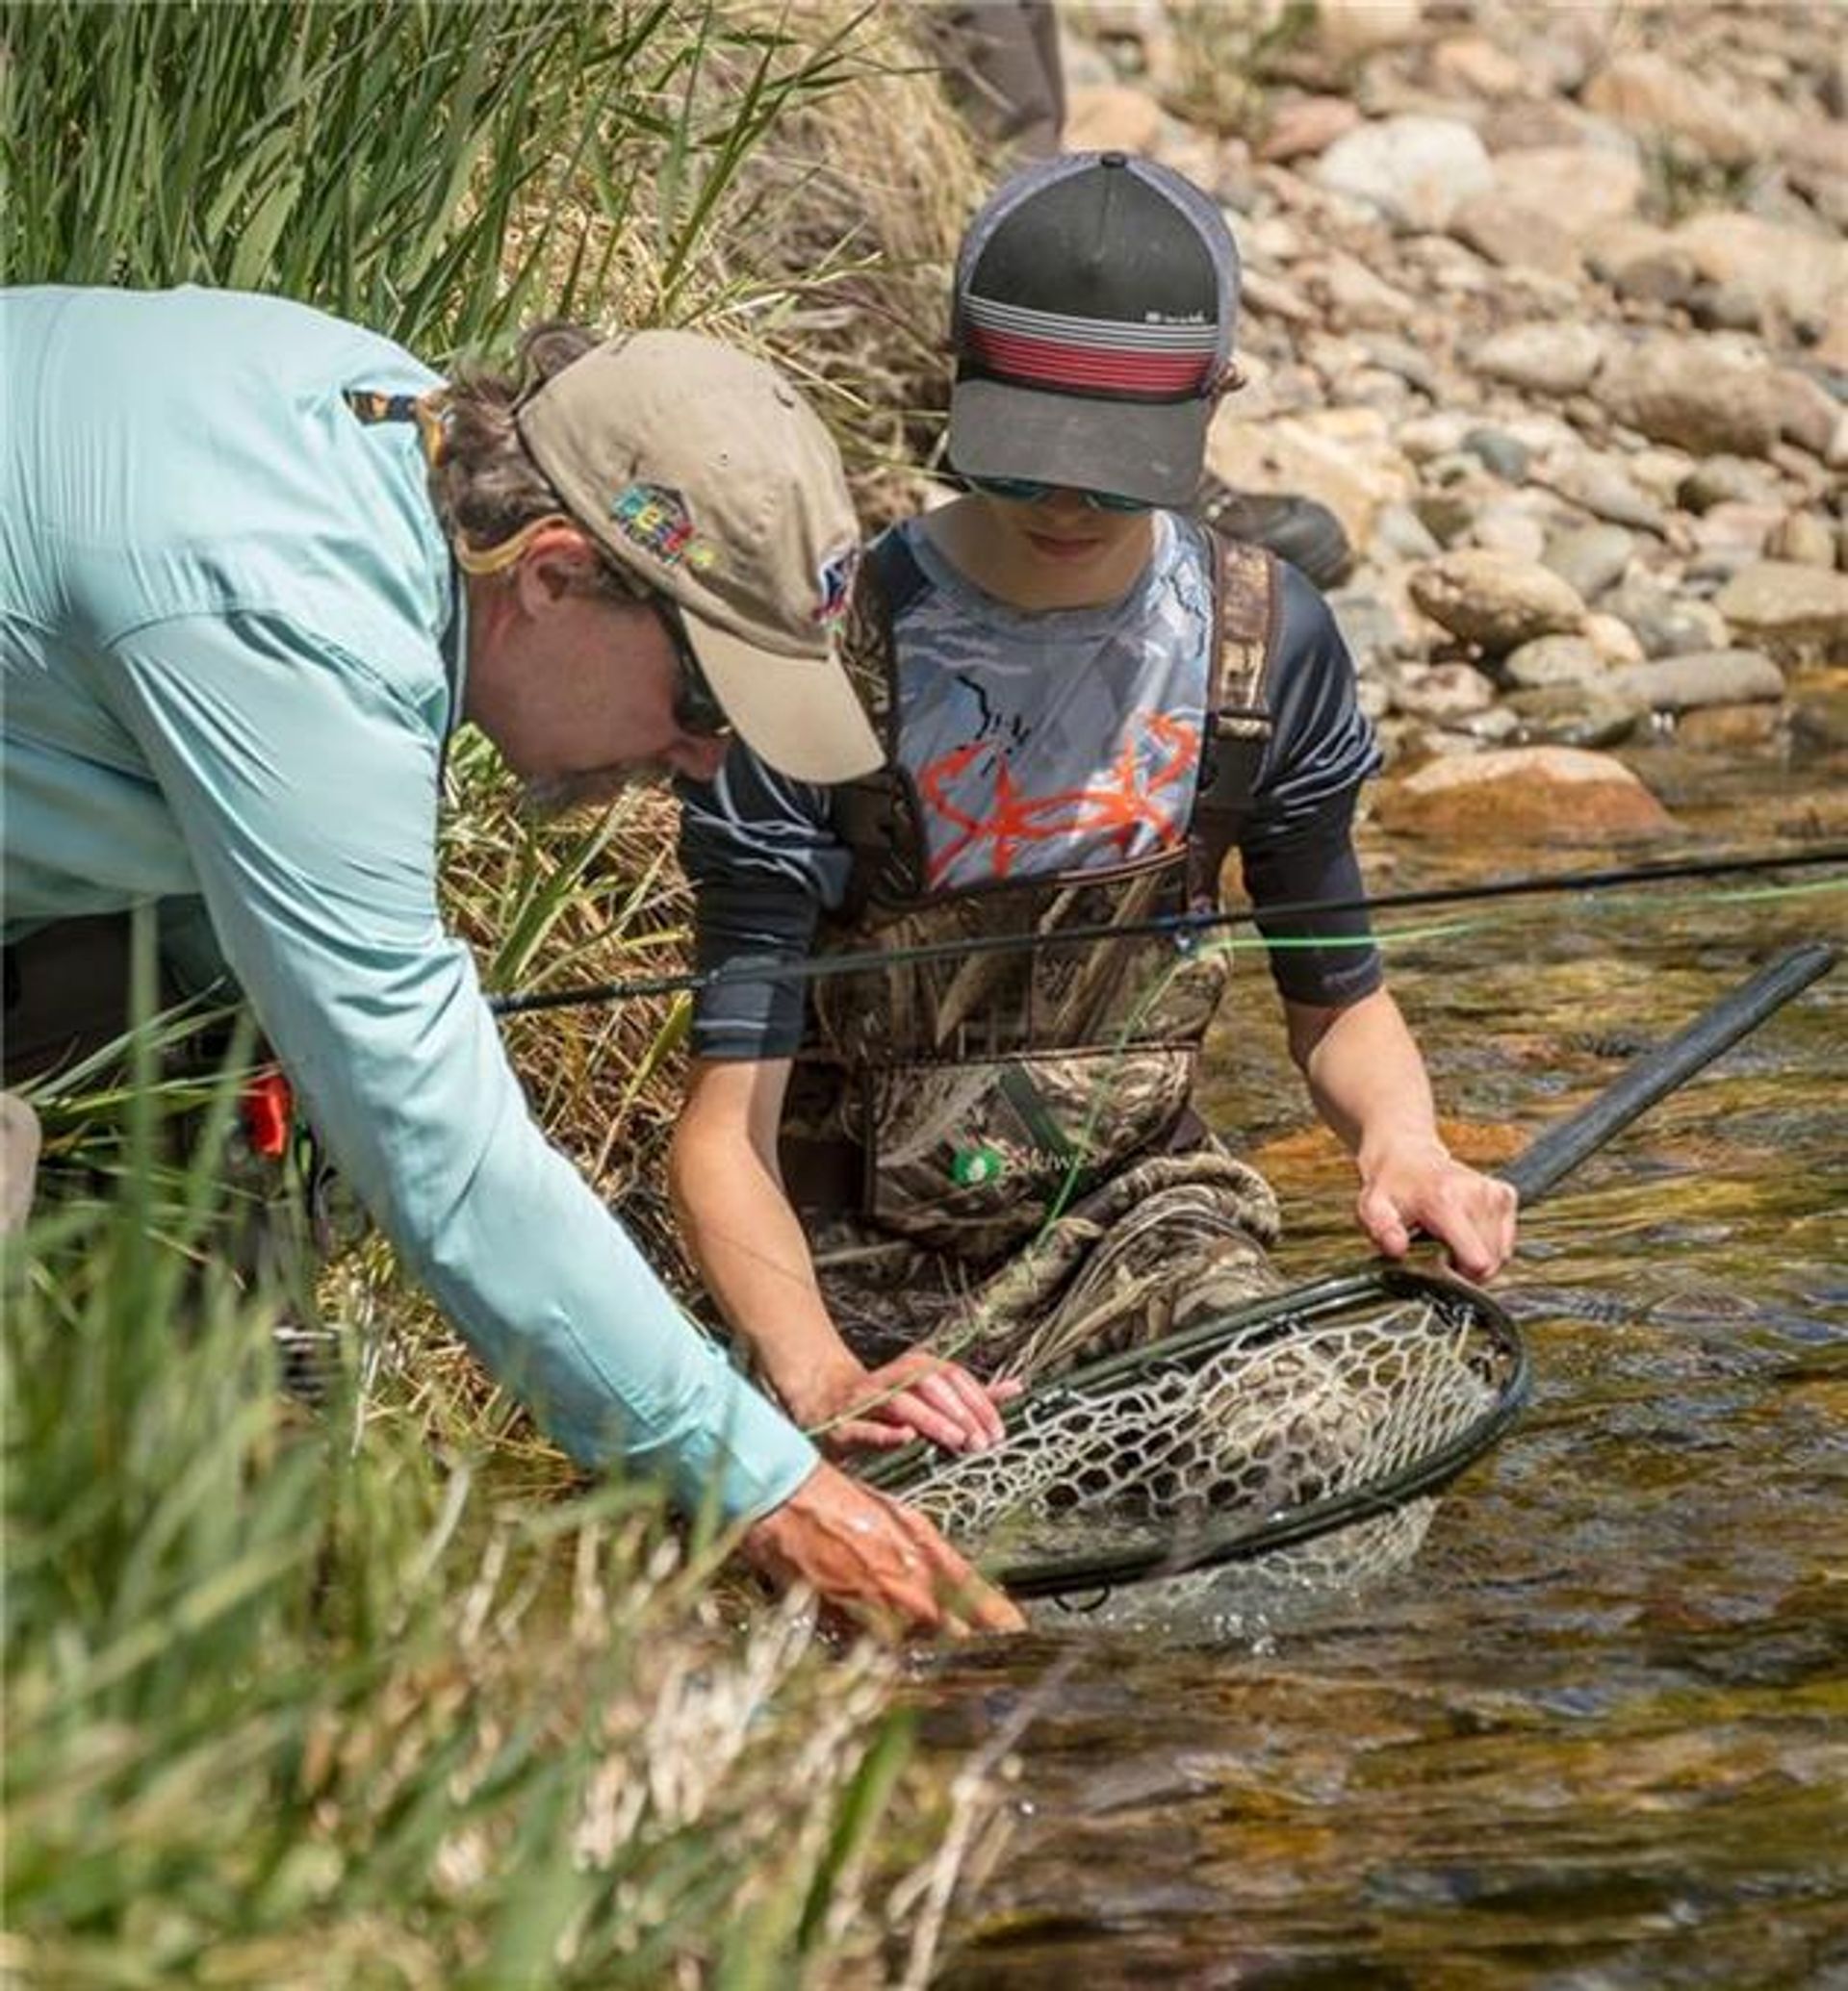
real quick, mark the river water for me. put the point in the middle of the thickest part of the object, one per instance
(1597, 1734)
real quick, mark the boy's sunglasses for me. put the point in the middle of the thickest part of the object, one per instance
(696, 704)
(1028, 491)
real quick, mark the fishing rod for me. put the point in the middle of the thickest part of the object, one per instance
(1183, 928)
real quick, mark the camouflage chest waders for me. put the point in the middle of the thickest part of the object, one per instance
(995, 1153)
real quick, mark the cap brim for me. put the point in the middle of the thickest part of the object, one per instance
(800, 714)
(1154, 450)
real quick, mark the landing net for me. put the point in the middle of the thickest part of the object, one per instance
(1327, 1415)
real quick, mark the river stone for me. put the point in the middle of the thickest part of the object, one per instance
(1744, 528)
(1650, 94)
(1416, 171)
(1794, 273)
(1520, 795)
(1495, 601)
(1579, 188)
(1698, 392)
(1731, 728)
(1804, 538)
(1400, 534)
(1372, 627)
(1507, 526)
(1471, 66)
(1575, 715)
(1113, 117)
(1809, 415)
(1701, 678)
(1664, 624)
(1517, 235)
(1497, 451)
(1590, 558)
(1659, 274)
(1347, 29)
(1613, 639)
(1445, 693)
(1307, 126)
(1541, 359)
(1723, 480)
(1798, 613)
(1602, 486)
(1551, 660)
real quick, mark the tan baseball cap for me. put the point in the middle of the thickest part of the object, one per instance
(703, 472)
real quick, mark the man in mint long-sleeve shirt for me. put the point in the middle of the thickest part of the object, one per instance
(255, 565)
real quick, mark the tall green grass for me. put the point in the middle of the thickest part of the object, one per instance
(438, 169)
(379, 1694)
(293, 1701)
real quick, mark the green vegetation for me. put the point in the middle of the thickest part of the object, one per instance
(377, 1692)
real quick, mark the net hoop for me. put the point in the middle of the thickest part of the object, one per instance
(1276, 1321)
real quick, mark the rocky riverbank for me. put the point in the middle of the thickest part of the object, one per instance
(1550, 304)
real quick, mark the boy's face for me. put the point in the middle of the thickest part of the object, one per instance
(1060, 534)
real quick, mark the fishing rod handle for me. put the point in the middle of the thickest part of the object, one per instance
(1549, 1160)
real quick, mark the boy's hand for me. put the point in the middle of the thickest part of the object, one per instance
(1424, 1188)
(917, 1394)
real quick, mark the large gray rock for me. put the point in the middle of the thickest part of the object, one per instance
(1416, 171)
(1495, 601)
(1701, 678)
(1664, 623)
(1600, 485)
(1798, 613)
(1703, 395)
(1591, 558)
(1541, 359)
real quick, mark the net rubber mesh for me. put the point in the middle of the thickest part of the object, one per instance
(1302, 1430)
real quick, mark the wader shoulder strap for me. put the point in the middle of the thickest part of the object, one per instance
(877, 816)
(1244, 637)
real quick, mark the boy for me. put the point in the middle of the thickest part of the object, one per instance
(977, 1164)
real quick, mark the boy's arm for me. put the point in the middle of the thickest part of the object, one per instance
(753, 1256)
(1368, 1083)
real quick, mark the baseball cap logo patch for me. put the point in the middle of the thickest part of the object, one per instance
(834, 581)
(654, 518)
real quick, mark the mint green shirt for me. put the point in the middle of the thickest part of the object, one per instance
(227, 621)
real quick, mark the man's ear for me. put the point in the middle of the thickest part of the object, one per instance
(555, 565)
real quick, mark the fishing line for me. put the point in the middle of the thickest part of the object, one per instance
(1183, 928)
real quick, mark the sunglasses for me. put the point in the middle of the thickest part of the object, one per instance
(696, 704)
(1029, 491)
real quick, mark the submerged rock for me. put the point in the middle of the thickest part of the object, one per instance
(1518, 795)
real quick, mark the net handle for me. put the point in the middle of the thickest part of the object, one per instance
(1545, 1163)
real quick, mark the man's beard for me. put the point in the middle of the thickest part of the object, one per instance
(546, 796)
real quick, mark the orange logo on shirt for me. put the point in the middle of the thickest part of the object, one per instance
(1111, 811)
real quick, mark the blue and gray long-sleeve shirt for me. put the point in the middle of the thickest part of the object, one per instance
(230, 652)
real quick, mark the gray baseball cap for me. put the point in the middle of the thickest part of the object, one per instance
(1096, 297)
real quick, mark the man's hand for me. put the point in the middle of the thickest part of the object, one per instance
(875, 1562)
(1421, 1186)
(917, 1394)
